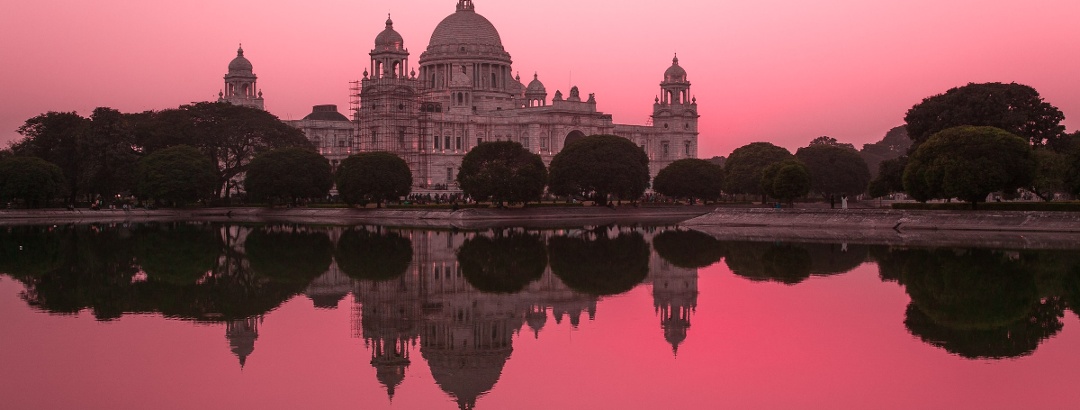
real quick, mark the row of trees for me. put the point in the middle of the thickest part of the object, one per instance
(980, 139)
(110, 153)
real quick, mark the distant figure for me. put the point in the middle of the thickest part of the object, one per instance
(843, 202)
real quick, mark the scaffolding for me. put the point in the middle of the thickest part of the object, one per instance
(390, 114)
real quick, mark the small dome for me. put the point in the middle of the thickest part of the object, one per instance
(465, 27)
(536, 86)
(675, 73)
(389, 39)
(240, 64)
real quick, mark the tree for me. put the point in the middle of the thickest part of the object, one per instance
(746, 165)
(373, 177)
(969, 163)
(1015, 108)
(834, 169)
(177, 253)
(890, 177)
(1051, 172)
(502, 171)
(289, 174)
(600, 165)
(176, 175)
(691, 178)
(786, 180)
(827, 140)
(231, 135)
(30, 179)
(5, 153)
(56, 137)
(110, 157)
(894, 145)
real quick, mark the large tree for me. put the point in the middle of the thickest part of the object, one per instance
(691, 178)
(835, 169)
(289, 174)
(502, 171)
(1015, 108)
(57, 137)
(230, 135)
(600, 265)
(373, 254)
(600, 165)
(176, 175)
(969, 163)
(894, 145)
(745, 166)
(373, 177)
(786, 180)
(890, 177)
(1051, 172)
(30, 179)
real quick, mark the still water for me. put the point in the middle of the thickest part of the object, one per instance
(210, 316)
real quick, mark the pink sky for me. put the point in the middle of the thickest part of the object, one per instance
(783, 71)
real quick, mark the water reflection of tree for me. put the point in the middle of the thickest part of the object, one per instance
(503, 263)
(688, 249)
(791, 263)
(596, 264)
(977, 303)
(289, 253)
(114, 270)
(373, 254)
(178, 253)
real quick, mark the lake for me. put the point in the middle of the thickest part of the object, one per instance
(282, 316)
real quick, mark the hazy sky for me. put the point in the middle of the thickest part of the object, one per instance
(783, 71)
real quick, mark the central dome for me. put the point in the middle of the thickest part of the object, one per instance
(465, 27)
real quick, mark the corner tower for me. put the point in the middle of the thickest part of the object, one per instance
(675, 113)
(240, 84)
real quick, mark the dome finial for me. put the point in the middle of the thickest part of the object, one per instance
(675, 60)
(240, 50)
(389, 22)
(465, 5)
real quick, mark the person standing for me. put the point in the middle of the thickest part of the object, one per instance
(843, 202)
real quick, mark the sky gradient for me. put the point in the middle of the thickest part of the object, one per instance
(782, 71)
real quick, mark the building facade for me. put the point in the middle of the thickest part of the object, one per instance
(463, 93)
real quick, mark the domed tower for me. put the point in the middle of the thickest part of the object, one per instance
(389, 110)
(240, 86)
(467, 44)
(536, 94)
(675, 115)
(390, 58)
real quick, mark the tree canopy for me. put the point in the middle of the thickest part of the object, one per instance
(890, 177)
(289, 174)
(691, 178)
(969, 163)
(1015, 108)
(834, 169)
(600, 165)
(502, 171)
(746, 165)
(231, 135)
(176, 175)
(895, 144)
(33, 180)
(786, 180)
(373, 177)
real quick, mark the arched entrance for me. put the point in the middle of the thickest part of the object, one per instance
(572, 137)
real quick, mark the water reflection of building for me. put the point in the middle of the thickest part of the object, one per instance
(242, 334)
(675, 295)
